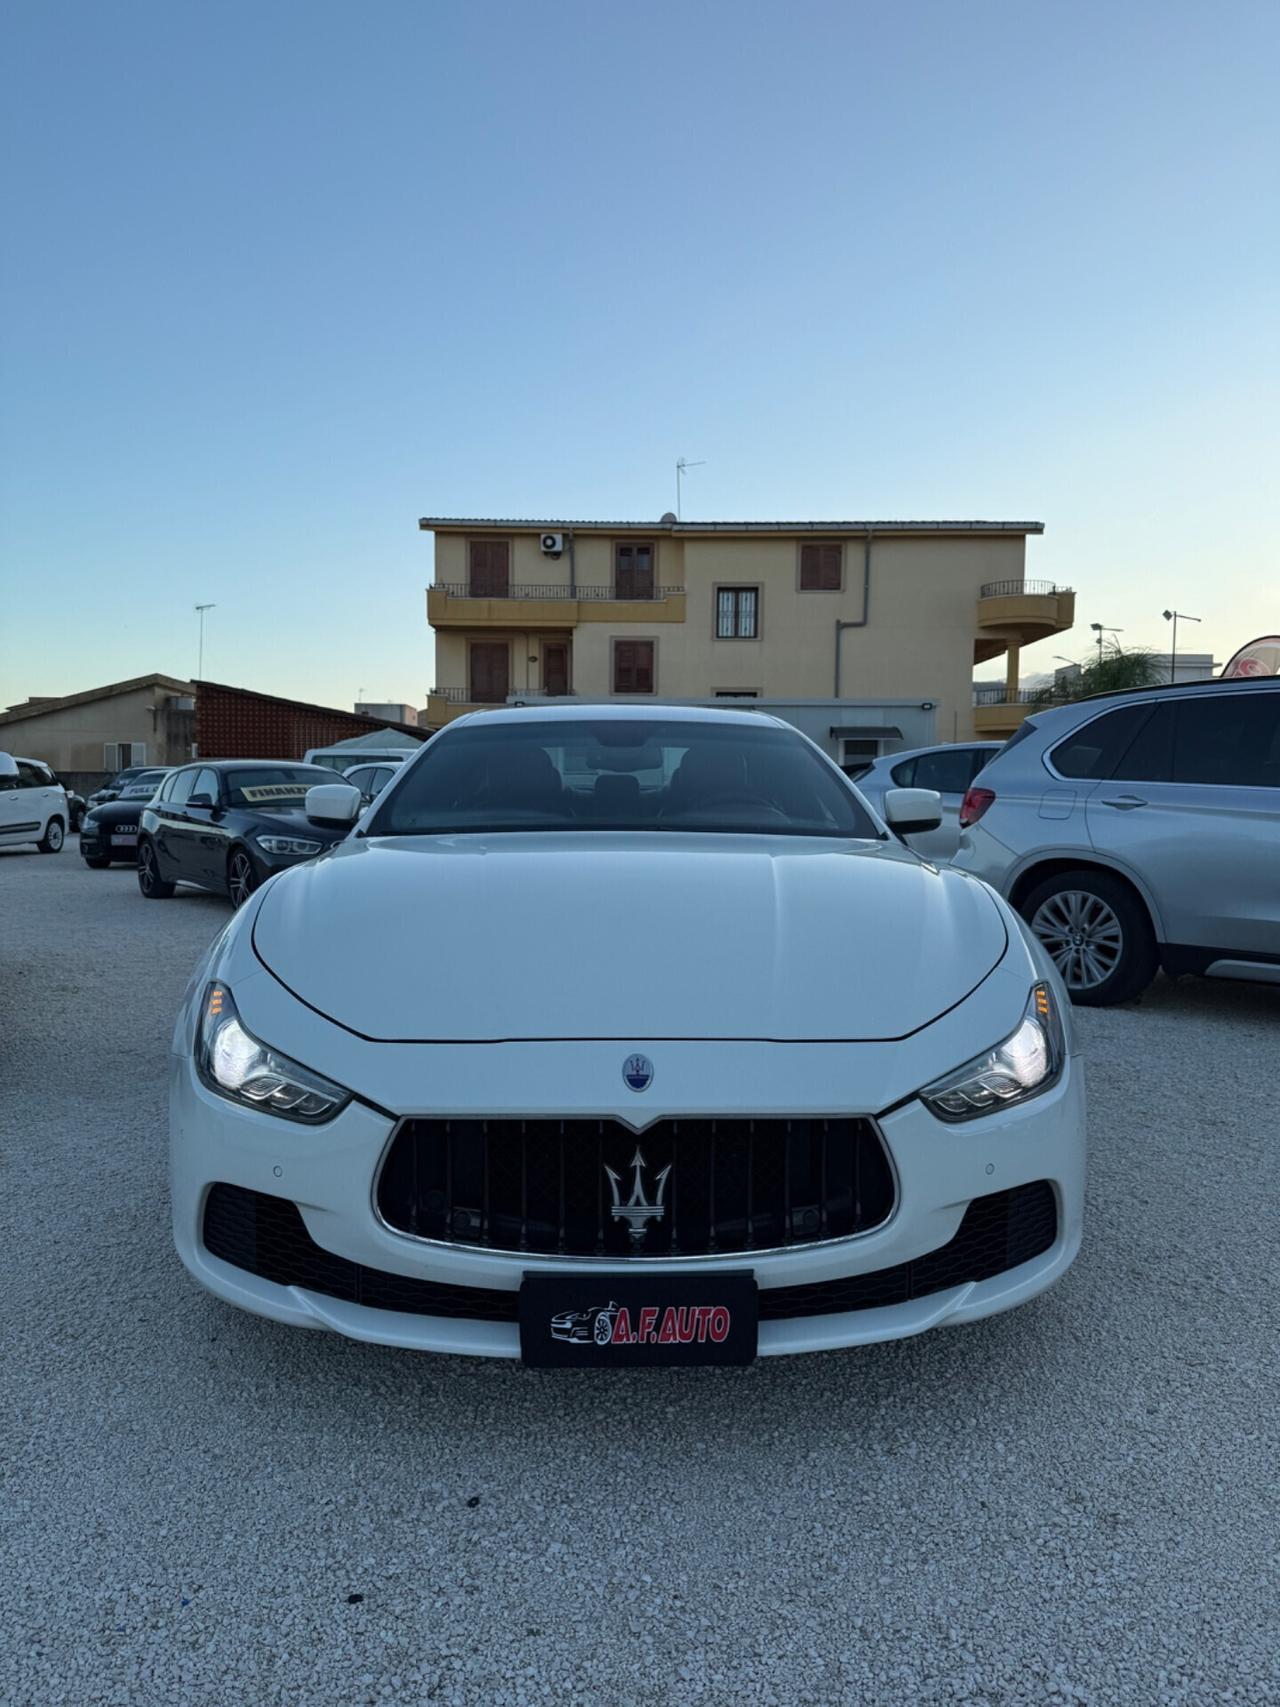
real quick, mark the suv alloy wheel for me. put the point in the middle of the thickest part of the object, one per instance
(1097, 933)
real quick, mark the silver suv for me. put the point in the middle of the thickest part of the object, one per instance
(1139, 830)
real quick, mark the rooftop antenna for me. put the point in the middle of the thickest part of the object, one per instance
(682, 465)
(201, 609)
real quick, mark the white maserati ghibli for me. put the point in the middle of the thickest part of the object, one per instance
(625, 1035)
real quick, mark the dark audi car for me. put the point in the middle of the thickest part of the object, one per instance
(228, 826)
(110, 832)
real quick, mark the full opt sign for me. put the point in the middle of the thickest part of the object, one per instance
(618, 1320)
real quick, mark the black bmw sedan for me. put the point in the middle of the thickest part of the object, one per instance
(228, 826)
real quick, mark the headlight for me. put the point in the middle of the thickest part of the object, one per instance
(232, 1062)
(1027, 1062)
(288, 845)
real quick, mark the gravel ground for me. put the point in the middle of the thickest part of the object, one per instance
(1073, 1503)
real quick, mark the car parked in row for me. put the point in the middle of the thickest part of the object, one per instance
(370, 779)
(109, 833)
(947, 770)
(33, 805)
(127, 778)
(77, 806)
(1140, 830)
(766, 1080)
(229, 825)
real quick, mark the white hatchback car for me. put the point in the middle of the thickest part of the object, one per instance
(625, 1035)
(33, 805)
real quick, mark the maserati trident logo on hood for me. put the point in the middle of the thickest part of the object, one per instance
(637, 1211)
(637, 1072)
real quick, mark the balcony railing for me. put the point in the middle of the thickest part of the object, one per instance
(558, 590)
(456, 696)
(1002, 589)
(996, 695)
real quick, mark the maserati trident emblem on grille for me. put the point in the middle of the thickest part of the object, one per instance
(637, 1211)
(637, 1072)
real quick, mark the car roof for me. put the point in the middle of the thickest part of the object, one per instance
(250, 764)
(935, 747)
(1212, 683)
(663, 712)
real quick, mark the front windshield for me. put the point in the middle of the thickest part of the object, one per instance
(622, 774)
(146, 782)
(267, 786)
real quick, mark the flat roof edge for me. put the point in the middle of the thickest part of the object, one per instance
(455, 524)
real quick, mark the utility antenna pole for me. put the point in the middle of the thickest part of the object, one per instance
(1172, 616)
(201, 609)
(682, 465)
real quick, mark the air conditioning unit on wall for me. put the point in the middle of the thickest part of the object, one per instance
(552, 544)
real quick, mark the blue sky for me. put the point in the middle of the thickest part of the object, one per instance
(280, 278)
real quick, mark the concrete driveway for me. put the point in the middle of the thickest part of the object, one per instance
(1073, 1503)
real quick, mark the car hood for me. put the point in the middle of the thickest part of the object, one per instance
(475, 938)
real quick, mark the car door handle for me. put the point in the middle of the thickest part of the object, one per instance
(1125, 802)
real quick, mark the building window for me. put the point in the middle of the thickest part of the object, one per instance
(633, 670)
(737, 613)
(489, 568)
(821, 566)
(633, 570)
(122, 755)
(857, 755)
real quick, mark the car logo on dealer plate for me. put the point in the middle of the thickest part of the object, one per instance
(637, 1211)
(637, 1072)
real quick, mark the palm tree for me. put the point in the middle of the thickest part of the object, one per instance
(1110, 672)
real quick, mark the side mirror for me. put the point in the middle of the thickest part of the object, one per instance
(334, 804)
(200, 800)
(910, 810)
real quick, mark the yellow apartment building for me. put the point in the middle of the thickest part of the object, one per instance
(863, 612)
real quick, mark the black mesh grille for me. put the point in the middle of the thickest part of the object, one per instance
(561, 1187)
(266, 1236)
(997, 1233)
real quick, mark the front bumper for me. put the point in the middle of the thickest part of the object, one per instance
(328, 1172)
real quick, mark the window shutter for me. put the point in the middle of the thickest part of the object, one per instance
(820, 564)
(633, 666)
(111, 757)
(747, 614)
(724, 616)
(139, 753)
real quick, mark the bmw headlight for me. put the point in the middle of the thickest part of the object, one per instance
(1027, 1062)
(288, 845)
(232, 1062)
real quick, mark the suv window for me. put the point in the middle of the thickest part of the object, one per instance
(1092, 751)
(1232, 740)
(33, 776)
(949, 771)
(1150, 753)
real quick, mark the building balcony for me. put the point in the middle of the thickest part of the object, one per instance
(1019, 612)
(525, 606)
(996, 716)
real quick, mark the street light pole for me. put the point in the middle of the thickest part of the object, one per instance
(1100, 629)
(1172, 616)
(201, 609)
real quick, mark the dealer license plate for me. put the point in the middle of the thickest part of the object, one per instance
(124, 841)
(615, 1321)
